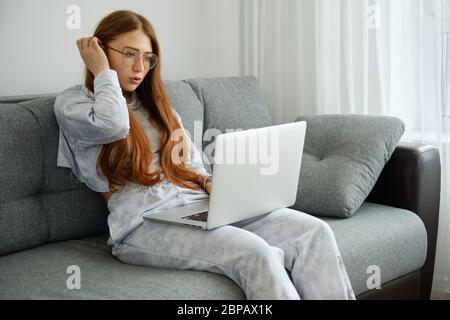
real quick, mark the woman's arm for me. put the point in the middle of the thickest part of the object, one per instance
(100, 120)
(196, 163)
(93, 120)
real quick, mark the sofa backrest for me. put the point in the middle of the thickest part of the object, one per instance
(230, 103)
(40, 202)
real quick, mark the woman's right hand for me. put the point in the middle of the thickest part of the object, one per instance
(92, 54)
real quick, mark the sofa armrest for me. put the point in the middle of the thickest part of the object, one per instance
(412, 180)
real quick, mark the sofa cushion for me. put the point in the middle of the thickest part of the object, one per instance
(40, 273)
(393, 239)
(229, 103)
(40, 202)
(390, 238)
(342, 159)
(22, 223)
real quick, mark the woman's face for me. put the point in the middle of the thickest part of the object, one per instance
(130, 40)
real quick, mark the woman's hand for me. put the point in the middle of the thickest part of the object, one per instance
(208, 184)
(92, 54)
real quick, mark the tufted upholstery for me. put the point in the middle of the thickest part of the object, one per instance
(342, 159)
(40, 202)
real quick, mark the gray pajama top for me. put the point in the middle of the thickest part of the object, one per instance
(87, 120)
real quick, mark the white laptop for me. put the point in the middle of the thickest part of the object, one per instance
(255, 172)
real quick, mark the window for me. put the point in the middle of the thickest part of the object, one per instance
(446, 58)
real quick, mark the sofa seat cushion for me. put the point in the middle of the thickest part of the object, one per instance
(376, 235)
(40, 273)
(393, 239)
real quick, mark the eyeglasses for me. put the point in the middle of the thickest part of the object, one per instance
(131, 56)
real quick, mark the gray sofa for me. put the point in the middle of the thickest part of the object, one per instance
(49, 221)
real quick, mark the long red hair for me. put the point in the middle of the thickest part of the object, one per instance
(129, 159)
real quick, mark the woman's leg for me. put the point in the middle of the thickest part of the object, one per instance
(241, 255)
(310, 252)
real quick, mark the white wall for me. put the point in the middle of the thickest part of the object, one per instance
(198, 38)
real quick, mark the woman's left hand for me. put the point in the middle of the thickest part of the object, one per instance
(208, 184)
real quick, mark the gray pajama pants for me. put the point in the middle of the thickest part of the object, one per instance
(254, 253)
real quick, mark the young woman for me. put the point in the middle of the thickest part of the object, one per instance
(117, 137)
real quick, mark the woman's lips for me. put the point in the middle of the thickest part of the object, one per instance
(135, 80)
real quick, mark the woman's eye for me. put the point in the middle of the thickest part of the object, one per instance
(129, 54)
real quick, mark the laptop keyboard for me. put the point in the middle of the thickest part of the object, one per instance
(201, 216)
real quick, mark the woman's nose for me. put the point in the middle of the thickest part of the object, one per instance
(139, 64)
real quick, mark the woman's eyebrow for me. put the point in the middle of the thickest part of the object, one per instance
(137, 49)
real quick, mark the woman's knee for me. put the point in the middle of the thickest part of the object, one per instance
(298, 217)
(323, 228)
(301, 225)
(245, 241)
(247, 245)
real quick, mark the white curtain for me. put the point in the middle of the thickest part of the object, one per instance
(381, 57)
